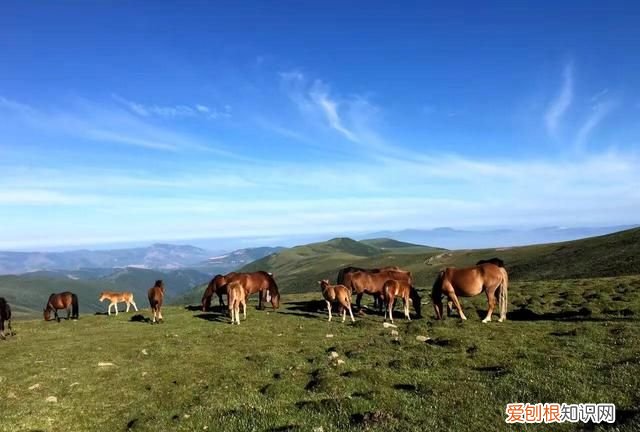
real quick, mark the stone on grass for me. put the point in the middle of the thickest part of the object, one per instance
(52, 399)
(35, 386)
(103, 364)
(389, 325)
(422, 338)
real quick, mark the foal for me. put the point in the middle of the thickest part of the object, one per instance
(236, 297)
(394, 288)
(118, 297)
(340, 293)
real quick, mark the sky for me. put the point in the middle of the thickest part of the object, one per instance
(146, 121)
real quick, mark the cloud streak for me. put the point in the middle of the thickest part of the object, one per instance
(100, 123)
(175, 111)
(561, 103)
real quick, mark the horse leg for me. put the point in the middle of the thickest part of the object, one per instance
(451, 293)
(329, 308)
(220, 301)
(134, 305)
(160, 319)
(116, 307)
(344, 314)
(244, 309)
(260, 300)
(406, 308)
(491, 299)
(358, 300)
(128, 306)
(449, 308)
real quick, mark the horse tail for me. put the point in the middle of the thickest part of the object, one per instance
(74, 306)
(340, 278)
(416, 299)
(504, 289)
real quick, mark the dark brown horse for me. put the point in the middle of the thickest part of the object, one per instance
(156, 296)
(218, 286)
(257, 282)
(5, 316)
(66, 300)
(469, 282)
(377, 303)
(403, 289)
(371, 282)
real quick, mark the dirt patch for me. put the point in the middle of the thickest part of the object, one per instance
(573, 332)
(441, 342)
(405, 387)
(370, 418)
(494, 371)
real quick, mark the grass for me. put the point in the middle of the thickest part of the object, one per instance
(566, 341)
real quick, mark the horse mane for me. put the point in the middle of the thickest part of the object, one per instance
(158, 283)
(495, 261)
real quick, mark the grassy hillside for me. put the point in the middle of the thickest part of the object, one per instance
(275, 372)
(297, 269)
(618, 254)
(28, 293)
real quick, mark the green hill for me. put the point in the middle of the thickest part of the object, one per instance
(297, 269)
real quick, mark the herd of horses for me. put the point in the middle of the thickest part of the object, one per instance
(385, 284)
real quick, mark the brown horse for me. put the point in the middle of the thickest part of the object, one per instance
(218, 286)
(469, 282)
(156, 296)
(395, 288)
(344, 271)
(5, 316)
(495, 260)
(66, 300)
(259, 282)
(118, 297)
(236, 297)
(366, 282)
(340, 293)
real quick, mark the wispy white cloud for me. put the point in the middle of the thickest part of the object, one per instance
(598, 112)
(561, 103)
(174, 111)
(104, 123)
(355, 117)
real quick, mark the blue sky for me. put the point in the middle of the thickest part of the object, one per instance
(144, 121)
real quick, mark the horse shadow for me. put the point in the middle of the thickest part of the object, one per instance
(193, 308)
(211, 316)
(582, 314)
(139, 318)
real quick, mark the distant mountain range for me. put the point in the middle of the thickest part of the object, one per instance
(88, 263)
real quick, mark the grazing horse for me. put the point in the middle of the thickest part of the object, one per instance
(66, 300)
(362, 282)
(496, 261)
(469, 282)
(5, 315)
(344, 271)
(118, 297)
(236, 297)
(218, 286)
(259, 282)
(340, 293)
(156, 296)
(395, 288)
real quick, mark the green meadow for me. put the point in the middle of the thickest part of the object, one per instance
(569, 340)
